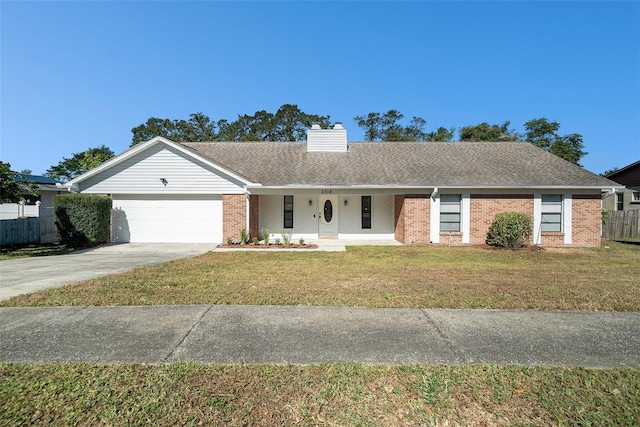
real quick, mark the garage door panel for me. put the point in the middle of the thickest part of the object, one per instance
(167, 219)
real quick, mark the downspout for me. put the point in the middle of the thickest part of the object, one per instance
(247, 213)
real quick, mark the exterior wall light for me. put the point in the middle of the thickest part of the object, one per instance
(310, 202)
(164, 181)
(346, 202)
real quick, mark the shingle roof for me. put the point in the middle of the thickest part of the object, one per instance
(428, 164)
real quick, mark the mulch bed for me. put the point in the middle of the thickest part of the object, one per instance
(271, 246)
(527, 248)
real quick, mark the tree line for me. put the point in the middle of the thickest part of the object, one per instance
(289, 123)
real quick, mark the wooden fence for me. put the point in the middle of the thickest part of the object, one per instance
(622, 225)
(21, 231)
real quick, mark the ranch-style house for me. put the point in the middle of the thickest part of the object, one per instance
(327, 187)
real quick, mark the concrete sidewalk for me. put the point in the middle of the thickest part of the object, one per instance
(303, 335)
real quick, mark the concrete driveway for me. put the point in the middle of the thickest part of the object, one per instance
(26, 275)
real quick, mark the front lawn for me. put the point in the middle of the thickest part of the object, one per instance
(603, 279)
(29, 251)
(342, 393)
(179, 394)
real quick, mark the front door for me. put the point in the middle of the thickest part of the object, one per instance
(328, 215)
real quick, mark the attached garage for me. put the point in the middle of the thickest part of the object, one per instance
(167, 218)
(163, 192)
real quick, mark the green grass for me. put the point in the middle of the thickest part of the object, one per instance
(334, 394)
(33, 251)
(343, 393)
(603, 279)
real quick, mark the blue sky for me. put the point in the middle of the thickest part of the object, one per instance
(77, 75)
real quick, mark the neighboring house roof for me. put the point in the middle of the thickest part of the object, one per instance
(410, 164)
(38, 179)
(628, 175)
(44, 183)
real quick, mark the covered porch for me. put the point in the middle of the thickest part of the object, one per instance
(344, 215)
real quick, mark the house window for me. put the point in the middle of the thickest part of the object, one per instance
(366, 211)
(551, 212)
(620, 201)
(288, 211)
(635, 196)
(450, 212)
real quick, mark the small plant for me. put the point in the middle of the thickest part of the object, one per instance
(278, 241)
(256, 241)
(510, 230)
(265, 236)
(244, 236)
(286, 237)
(301, 241)
(229, 241)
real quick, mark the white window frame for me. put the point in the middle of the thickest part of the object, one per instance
(566, 221)
(551, 208)
(451, 208)
(465, 222)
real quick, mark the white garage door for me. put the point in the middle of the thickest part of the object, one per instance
(167, 219)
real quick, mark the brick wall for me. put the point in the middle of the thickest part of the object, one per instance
(254, 215)
(551, 239)
(412, 219)
(451, 238)
(399, 218)
(586, 220)
(416, 210)
(484, 208)
(234, 214)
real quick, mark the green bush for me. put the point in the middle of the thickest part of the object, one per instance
(510, 230)
(82, 220)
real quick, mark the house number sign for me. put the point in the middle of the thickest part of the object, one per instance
(326, 191)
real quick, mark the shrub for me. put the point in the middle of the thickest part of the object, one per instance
(82, 220)
(244, 236)
(510, 230)
(265, 235)
(286, 237)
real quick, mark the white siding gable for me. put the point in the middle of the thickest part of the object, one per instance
(327, 140)
(142, 174)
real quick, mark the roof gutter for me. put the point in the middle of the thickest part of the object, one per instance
(436, 188)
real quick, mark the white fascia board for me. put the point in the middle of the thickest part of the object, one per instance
(264, 189)
(325, 189)
(338, 187)
(527, 188)
(431, 187)
(140, 148)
